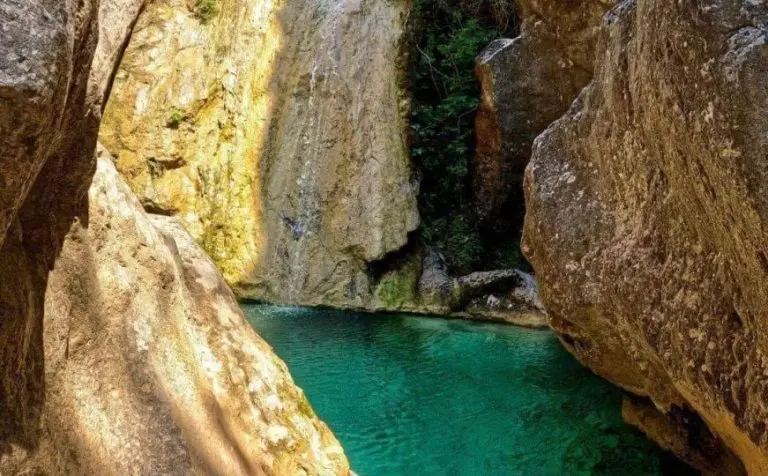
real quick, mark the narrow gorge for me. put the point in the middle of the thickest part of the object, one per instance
(201, 200)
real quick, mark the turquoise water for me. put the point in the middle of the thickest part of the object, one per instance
(423, 396)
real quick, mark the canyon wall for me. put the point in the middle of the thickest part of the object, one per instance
(527, 83)
(150, 365)
(277, 132)
(646, 224)
(48, 127)
(121, 348)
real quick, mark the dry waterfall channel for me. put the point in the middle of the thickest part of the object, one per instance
(336, 237)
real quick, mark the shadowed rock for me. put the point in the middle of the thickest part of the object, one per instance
(527, 83)
(48, 125)
(509, 295)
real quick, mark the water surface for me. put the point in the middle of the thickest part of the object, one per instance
(422, 396)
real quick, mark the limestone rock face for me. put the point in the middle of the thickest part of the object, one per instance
(48, 125)
(276, 131)
(526, 84)
(121, 350)
(150, 366)
(647, 218)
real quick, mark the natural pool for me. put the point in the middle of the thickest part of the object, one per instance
(410, 395)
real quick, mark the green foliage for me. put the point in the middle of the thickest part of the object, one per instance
(497, 13)
(507, 254)
(205, 10)
(454, 234)
(175, 118)
(398, 277)
(445, 100)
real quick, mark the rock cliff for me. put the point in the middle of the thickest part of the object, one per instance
(121, 348)
(276, 131)
(150, 366)
(527, 83)
(48, 127)
(646, 224)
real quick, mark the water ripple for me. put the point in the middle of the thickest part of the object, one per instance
(409, 395)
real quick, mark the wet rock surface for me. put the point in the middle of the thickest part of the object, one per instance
(646, 218)
(674, 430)
(276, 131)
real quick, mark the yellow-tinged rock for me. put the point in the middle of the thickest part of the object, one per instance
(276, 131)
(121, 349)
(151, 367)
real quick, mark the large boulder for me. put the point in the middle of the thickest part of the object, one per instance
(506, 295)
(48, 126)
(647, 218)
(527, 83)
(150, 365)
(277, 132)
(121, 350)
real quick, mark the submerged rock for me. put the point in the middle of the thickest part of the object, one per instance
(527, 83)
(674, 430)
(647, 218)
(276, 131)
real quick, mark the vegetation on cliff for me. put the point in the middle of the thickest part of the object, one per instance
(205, 10)
(445, 99)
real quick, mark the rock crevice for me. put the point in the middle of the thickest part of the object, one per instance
(122, 350)
(527, 83)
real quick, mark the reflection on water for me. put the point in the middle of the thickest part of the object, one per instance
(409, 395)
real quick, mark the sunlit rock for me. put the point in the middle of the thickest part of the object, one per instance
(150, 366)
(276, 131)
(646, 223)
(122, 351)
